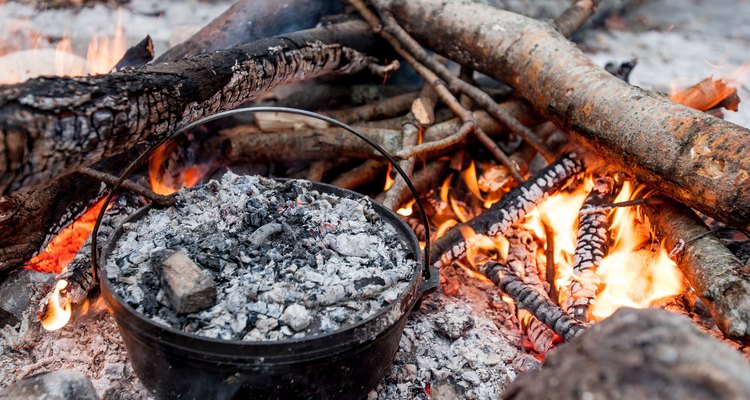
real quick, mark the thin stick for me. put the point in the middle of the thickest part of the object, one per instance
(384, 70)
(359, 175)
(129, 185)
(575, 16)
(588, 210)
(549, 237)
(386, 108)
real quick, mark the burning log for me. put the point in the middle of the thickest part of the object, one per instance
(720, 279)
(54, 126)
(639, 354)
(509, 210)
(140, 54)
(532, 299)
(522, 261)
(592, 246)
(693, 157)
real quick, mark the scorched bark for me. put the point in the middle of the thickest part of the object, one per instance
(53, 126)
(693, 157)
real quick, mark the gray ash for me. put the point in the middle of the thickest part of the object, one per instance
(286, 261)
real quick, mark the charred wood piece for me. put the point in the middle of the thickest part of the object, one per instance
(509, 210)
(522, 260)
(140, 54)
(129, 185)
(79, 274)
(592, 246)
(50, 127)
(720, 279)
(532, 299)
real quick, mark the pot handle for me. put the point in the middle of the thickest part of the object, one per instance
(431, 277)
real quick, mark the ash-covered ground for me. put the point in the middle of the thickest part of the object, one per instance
(282, 260)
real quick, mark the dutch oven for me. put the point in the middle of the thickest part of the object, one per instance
(345, 364)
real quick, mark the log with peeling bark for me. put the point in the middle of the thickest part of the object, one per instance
(720, 279)
(50, 127)
(693, 157)
(592, 245)
(638, 354)
(511, 208)
(532, 299)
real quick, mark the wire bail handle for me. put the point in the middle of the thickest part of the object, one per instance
(251, 110)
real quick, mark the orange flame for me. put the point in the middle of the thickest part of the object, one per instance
(166, 184)
(58, 314)
(101, 56)
(63, 247)
(388, 180)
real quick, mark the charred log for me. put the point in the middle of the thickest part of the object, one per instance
(592, 246)
(638, 354)
(522, 260)
(535, 301)
(509, 210)
(248, 20)
(53, 126)
(694, 158)
(720, 279)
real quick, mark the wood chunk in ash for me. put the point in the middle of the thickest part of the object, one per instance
(56, 385)
(16, 294)
(638, 354)
(188, 287)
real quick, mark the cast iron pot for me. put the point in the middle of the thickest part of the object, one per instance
(345, 364)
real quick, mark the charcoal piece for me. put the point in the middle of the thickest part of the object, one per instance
(16, 293)
(188, 287)
(56, 385)
(262, 234)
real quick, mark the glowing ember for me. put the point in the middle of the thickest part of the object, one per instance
(63, 247)
(57, 314)
(165, 183)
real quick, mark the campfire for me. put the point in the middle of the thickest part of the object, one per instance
(567, 207)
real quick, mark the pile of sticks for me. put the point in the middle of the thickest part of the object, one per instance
(53, 130)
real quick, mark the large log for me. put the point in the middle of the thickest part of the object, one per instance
(53, 126)
(693, 157)
(638, 354)
(720, 279)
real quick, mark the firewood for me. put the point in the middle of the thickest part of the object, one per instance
(510, 209)
(638, 354)
(424, 180)
(360, 175)
(412, 126)
(390, 107)
(54, 126)
(532, 299)
(247, 20)
(694, 158)
(592, 245)
(140, 54)
(720, 279)
(522, 260)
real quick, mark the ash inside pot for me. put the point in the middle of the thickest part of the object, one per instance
(286, 261)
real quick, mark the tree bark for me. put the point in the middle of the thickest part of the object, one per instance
(693, 157)
(50, 127)
(720, 279)
(638, 354)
